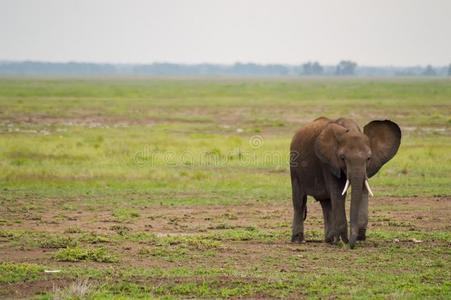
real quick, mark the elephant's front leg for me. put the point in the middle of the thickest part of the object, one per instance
(327, 216)
(340, 222)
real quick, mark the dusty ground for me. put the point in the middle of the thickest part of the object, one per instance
(395, 215)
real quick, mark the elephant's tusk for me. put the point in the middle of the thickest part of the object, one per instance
(367, 185)
(346, 187)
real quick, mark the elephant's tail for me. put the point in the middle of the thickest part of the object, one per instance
(305, 211)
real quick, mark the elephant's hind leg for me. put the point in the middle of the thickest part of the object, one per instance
(300, 209)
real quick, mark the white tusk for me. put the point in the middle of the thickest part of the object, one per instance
(346, 187)
(367, 185)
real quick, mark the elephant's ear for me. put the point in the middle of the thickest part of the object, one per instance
(385, 138)
(326, 146)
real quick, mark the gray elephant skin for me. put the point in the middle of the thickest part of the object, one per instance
(329, 156)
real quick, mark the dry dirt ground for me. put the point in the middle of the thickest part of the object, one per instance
(267, 248)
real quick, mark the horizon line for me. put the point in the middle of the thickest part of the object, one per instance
(217, 63)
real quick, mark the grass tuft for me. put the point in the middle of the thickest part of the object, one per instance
(85, 254)
(19, 272)
(80, 289)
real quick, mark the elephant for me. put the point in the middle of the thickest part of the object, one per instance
(329, 156)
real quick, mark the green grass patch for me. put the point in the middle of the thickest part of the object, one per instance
(57, 241)
(19, 272)
(125, 214)
(75, 254)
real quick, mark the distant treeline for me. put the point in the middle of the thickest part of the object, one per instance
(343, 68)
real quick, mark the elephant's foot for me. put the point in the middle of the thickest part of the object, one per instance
(329, 238)
(353, 238)
(298, 238)
(343, 233)
(344, 237)
(332, 238)
(361, 236)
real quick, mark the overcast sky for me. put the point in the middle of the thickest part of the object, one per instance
(376, 32)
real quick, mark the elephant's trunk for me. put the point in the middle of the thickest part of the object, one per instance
(357, 186)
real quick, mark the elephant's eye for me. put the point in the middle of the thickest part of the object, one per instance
(369, 158)
(342, 156)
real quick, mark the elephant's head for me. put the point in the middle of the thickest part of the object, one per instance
(357, 156)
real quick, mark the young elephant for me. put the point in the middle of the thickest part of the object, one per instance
(329, 156)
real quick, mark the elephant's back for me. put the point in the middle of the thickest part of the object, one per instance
(305, 137)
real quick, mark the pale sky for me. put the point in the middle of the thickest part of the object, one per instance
(378, 32)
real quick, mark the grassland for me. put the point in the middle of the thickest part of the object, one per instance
(180, 189)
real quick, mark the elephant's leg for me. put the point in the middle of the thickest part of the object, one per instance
(340, 224)
(363, 217)
(327, 216)
(299, 207)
